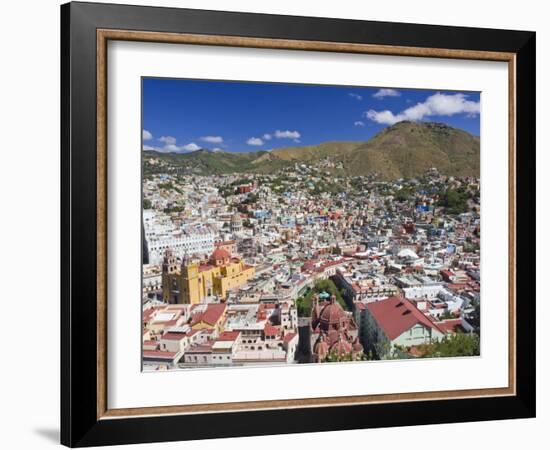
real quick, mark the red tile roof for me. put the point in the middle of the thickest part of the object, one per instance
(270, 330)
(220, 254)
(416, 351)
(267, 306)
(457, 286)
(174, 336)
(450, 325)
(211, 315)
(147, 314)
(159, 354)
(288, 337)
(397, 315)
(229, 335)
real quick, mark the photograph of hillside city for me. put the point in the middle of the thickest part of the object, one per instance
(291, 224)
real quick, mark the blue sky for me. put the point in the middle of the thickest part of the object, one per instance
(184, 115)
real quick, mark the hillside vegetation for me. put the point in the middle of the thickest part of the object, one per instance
(406, 149)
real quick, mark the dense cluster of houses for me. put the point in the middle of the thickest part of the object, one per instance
(231, 260)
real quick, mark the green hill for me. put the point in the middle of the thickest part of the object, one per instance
(406, 149)
(316, 152)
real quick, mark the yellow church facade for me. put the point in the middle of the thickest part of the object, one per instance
(193, 282)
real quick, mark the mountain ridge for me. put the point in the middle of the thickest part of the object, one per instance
(406, 149)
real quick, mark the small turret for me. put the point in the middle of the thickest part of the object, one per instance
(185, 261)
(315, 308)
(169, 263)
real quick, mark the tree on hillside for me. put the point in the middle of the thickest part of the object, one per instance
(454, 201)
(304, 303)
(461, 344)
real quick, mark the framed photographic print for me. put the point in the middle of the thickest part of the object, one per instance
(277, 224)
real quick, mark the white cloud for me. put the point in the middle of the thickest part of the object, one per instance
(279, 134)
(355, 96)
(385, 117)
(191, 147)
(147, 136)
(435, 105)
(359, 123)
(168, 140)
(217, 149)
(212, 139)
(287, 134)
(255, 141)
(381, 93)
(171, 146)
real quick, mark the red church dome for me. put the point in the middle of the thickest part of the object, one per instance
(219, 254)
(357, 347)
(341, 347)
(332, 316)
(320, 349)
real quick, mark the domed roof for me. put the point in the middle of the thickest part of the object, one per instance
(220, 254)
(332, 313)
(407, 253)
(321, 347)
(341, 347)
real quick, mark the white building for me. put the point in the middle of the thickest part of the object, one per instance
(397, 322)
(423, 292)
(190, 240)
